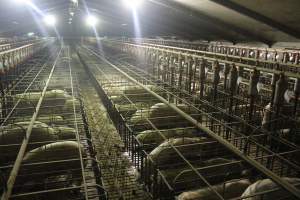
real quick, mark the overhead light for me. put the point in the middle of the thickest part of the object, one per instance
(91, 20)
(74, 1)
(22, 1)
(30, 34)
(71, 13)
(50, 20)
(132, 3)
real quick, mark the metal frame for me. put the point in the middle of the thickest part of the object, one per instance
(141, 79)
(277, 55)
(269, 66)
(56, 73)
(16, 44)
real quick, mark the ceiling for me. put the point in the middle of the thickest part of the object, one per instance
(266, 21)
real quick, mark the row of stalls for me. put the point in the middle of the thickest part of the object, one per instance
(7, 44)
(198, 127)
(258, 53)
(45, 146)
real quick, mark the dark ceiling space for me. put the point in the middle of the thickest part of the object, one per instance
(266, 21)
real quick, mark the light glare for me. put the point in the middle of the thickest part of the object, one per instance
(91, 20)
(22, 1)
(30, 34)
(74, 1)
(132, 3)
(50, 20)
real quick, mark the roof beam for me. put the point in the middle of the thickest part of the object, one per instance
(192, 20)
(258, 17)
(215, 21)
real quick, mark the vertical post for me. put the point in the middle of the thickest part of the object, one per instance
(196, 64)
(168, 72)
(297, 94)
(297, 59)
(186, 73)
(285, 57)
(216, 78)
(145, 56)
(172, 70)
(275, 78)
(158, 66)
(164, 67)
(252, 91)
(5, 67)
(240, 75)
(233, 76)
(155, 61)
(189, 74)
(202, 76)
(268, 112)
(3, 102)
(148, 61)
(226, 72)
(180, 59)
(172, 77)
(281, 87)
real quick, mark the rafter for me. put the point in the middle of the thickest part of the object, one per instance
(258, 17)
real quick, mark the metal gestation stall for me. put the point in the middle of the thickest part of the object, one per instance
(228, 117)
(254, 87)
(19, 43)
(45, 146)
(276, 55)
(12, 58)
(258, 90)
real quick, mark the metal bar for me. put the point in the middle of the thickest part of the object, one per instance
(53, 190)
(76, 127)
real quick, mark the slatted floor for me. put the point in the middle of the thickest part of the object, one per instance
(118, 175)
